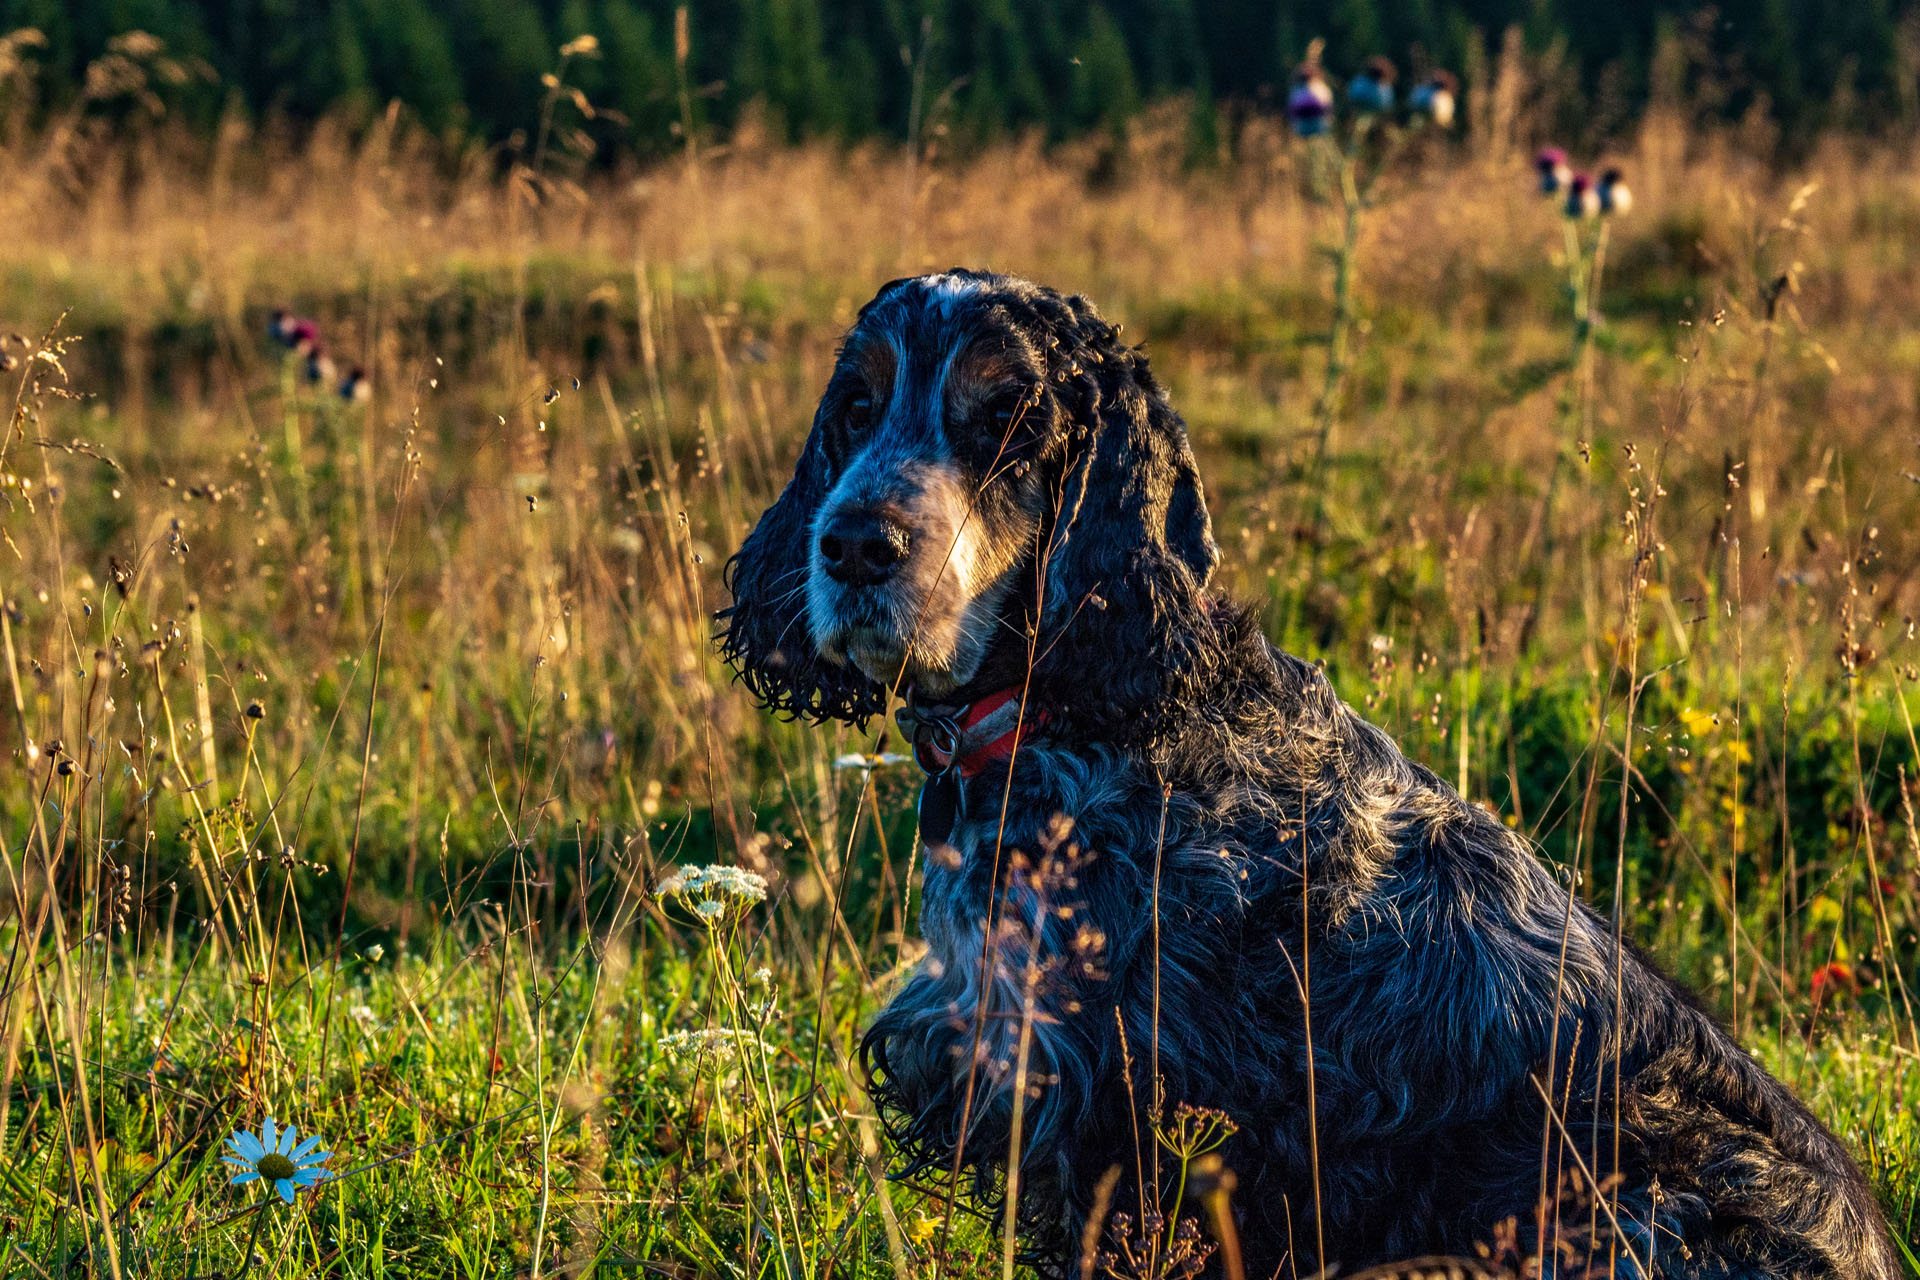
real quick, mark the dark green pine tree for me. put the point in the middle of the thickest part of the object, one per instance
(1014, 61)
(638, 70)
(1869, 37)
(1241, 42)
(1353, 34)
(1767, 44)
(1105, 92)
(1165, 41)
(297, 65)
(502, 48)
(1409, 26)
(857, 88)
(783, 62)
(408, 55)
(352, 86)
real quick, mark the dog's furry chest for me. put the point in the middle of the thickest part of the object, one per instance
(1071, 893)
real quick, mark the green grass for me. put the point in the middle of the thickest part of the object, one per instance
(482, 1103)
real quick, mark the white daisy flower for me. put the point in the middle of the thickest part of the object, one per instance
(272, 1157)
(862, 760)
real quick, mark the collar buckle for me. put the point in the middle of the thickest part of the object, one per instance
(963, 738)
(934, 733)
(936, 744)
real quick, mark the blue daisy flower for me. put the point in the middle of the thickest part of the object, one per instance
(271, 1156)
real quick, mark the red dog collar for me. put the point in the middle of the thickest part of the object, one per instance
(967, 738)
(959, 739)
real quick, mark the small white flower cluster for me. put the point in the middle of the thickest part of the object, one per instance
(709, 1046)
(722, 881)
(712, 892)
(764, 1006)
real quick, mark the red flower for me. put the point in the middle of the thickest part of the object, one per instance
(1831, 977)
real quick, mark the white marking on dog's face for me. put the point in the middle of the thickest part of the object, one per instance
(931, 623)
(907, 409)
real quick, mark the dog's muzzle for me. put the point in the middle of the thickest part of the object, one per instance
(863, 548)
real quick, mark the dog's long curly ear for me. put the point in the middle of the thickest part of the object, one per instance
(1132, 550)
(764, 634)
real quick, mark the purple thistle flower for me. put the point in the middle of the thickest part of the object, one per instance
(1615, 198)
(1555, 173)
(296, 333)
(1582, 200)
(1311, 102)
(1371, 92)
(1436, 98)
(357, 386)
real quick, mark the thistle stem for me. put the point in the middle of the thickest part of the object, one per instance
(1339, 339)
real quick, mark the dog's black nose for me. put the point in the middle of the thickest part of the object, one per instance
(862, 548)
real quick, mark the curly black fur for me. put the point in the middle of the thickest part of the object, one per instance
(764, 633)
(1450, 978)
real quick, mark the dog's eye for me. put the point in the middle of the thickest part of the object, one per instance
(859, 413)
(1010, 407)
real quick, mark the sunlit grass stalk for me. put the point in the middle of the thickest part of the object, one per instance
(1644, 548)
(746, 1028)
(294, 442)
(545, 1108)
(225, 914)
(1326, 407)
(1023, 1052)
(1585, 262)
(1737, 850)
(1876, 896)
(202, 700)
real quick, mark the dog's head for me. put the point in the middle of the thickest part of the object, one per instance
(991, 475)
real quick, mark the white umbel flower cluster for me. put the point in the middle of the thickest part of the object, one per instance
(714, 893)
(716, 883)
(710, 1048)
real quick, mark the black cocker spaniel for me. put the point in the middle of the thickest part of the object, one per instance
(1167, 865)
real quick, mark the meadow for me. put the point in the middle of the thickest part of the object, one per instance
(351, 746)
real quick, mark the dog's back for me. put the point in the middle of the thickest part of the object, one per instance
(1455, 988)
